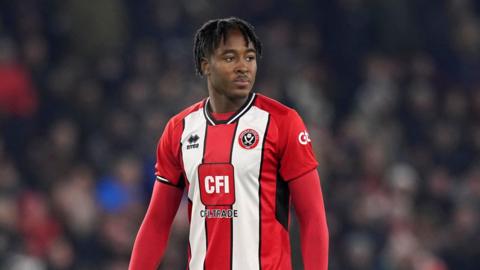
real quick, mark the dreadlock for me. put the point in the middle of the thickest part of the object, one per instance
(208, 38)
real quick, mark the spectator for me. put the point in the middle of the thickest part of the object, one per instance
(17, 92)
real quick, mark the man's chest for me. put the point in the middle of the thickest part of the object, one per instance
(225, 160)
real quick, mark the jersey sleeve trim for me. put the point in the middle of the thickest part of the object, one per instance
(164, 180)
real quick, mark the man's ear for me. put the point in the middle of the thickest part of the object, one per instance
(205, 67)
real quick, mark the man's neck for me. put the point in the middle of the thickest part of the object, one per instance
(224, 104)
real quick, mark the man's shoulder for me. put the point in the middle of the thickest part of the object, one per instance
(178, 118)
(275, 108)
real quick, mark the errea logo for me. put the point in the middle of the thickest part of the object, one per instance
(192, 141)
(304, 138)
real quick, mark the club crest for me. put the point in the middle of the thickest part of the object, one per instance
(248, 139)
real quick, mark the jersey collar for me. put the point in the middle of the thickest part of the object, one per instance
(241, 111)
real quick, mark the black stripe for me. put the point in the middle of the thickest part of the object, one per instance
(168, 183)
(180, 153)
(260, 196)
(206, 242)
(203, 161)
(189, 245)
(282, 201)
(181, 181)
(205, 142)
(231, 207)
(233, 142)
(231, 240)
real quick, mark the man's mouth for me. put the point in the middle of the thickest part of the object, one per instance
(241, 81)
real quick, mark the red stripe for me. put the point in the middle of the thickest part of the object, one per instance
(219, 242)
(218, 148)
(274, 239)
(267, 206)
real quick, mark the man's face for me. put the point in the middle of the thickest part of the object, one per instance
(232, 67)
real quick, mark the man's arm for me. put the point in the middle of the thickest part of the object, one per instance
(152, 237)
(308, 202)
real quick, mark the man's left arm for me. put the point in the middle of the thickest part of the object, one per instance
(307, 199)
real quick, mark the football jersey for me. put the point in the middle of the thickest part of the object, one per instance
(235, 173)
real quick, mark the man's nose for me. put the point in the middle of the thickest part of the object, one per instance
(242, 66)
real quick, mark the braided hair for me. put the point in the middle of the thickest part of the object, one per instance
(208, 38)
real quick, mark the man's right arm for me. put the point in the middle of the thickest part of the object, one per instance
(152, 237)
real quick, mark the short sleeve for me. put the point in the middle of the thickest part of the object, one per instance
(295, 148)
(168, 167)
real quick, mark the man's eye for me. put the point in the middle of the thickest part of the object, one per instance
(250, 58)
(228, 59)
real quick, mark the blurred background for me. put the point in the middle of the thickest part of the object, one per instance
(390, 92)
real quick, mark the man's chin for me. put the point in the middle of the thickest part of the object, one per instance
(241, 92)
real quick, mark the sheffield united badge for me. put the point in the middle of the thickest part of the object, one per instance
(248, 139)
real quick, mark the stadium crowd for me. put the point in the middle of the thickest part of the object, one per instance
(390, 92)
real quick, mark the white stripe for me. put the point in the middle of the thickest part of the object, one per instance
(163, 179)
(197, 236)
(246, 235)
(195, 125)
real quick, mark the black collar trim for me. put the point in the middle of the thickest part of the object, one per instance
(241, 111)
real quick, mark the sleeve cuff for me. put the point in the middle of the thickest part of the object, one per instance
(168, 182)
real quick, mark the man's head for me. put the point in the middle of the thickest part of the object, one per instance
(209, 36)
(225, 51)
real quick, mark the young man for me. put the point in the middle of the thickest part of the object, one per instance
(241, 157)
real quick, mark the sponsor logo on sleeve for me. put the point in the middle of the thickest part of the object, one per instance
(304, 138)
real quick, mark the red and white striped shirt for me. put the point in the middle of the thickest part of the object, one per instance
(236, 175)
